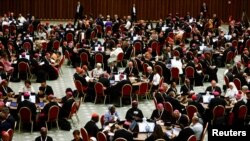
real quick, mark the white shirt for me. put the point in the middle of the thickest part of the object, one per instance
(177, 64)
(134, 10)
(21, 19)
(97, 72)
(25, 89)
(78, 8)
(156, 79)
(128, 25)
(197, 128)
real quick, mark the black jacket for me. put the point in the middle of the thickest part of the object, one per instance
(91, 128)
(123, 133)
(29, 105)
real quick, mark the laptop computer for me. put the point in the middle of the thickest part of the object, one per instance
(97, 49)
(32, 98)
(145, 127)
(117, 77)
(26, 56)
(207, 98)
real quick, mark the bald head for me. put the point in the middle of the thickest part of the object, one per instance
(43, 132)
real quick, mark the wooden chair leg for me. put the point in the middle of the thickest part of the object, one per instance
(32, 127)
(19, 126)
(57, 124)
(105, 99)
(120, 101)
(95, 99)
(46, 125)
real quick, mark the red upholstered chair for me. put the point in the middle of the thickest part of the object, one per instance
(44, 46)
(25, 116)
(24, 68)
(99, 91)
(69, 37)
(126, 92)
(27, 46)
(168, 107)
(73, 112)
(218, 112)
(102, 120)
(30, 29)
(11, 133)
(229, 57)
(98, 58)
(53, 116)
(176, 53)
(84, 133)
(175, 74)
(154, 46)
(107, 29)
(242, 113)
(101, 136)
(171, 35)
(142, 91)
(191, 109)
(56, 45)
(192, 138)
(99, 31)
(84, 58)
(247, 44)
(120, 58)
(120, 139)
(5, 136)
(138, 47)
(226, 81)
(237, 83)
(189, 73)
(80, 89)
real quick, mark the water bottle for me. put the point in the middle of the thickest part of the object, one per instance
(147, 129)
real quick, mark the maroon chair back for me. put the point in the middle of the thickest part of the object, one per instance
(73, 110)
(25, 115)
(98, 58)
(120, 139)
(102, 120)
(44, 45)
(23, 67)
(171, 35)
(56, 45)
(30, 28)
(242, 113)
(108, 28)
(27, 46)
(191, 109)
(235, 43)
(126, 90)
(237, 83)
(138, 46)
(226, 81)
(154, 46)
(218, 111)
(189, 72)
(5, 136)
(84, 58)
(176, 53)
(174, 73)
(99, 89)
(248, 43)
(192, 138)
(93, 34)
(99, 28)
(143, 88)
(78, 86)
(120, 57)
(229, 57)
(168, 107)
(69, 37)
(11, 133)
(53, 113)
(84, 133)
(145, 66)
(101, 136)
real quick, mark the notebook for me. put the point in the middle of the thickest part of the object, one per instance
(207, 98)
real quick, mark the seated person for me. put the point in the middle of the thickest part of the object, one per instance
(27, 87)
(131, 70)
(77, 137)
(197, 127)
(28, 104)
(4, 126)
(44, 136)
(111, 116)
(91, 126)
(213, 87)
(98, 70)
(45, 90)
(5, 89)
(66, 107)
(157, 134)
(124, 132)
(8, 117)
(134, 113)
(160, 114)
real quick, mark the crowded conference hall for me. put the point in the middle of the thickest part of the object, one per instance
(124, 70)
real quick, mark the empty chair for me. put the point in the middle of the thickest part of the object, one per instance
(53, 116)
(126, 92)
(84, 133)
(101, 136)
(25, 116)
(99, 91)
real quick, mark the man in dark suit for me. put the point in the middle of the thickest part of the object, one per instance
(91, 126)
(160, 114)
(134, 113)
(104, 79)
(186, 88)
(45, 90)
(186, 131)
(79, 12)
(9, 118)
(213, 87)
(124, 133)
(217, 100)
(198, 105)
(4, 126)
(43, 136)
(28, 104)
(133, 13)
(66, 108)
(237, 105)
(173, 101)
(131, 70)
